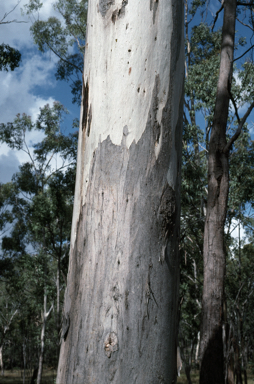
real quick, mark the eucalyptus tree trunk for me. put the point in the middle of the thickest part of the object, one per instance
(120, 310)
(211, 347)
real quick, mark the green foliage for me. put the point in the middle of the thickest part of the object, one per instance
(241, 172)
(38, 205)
(65, 37)
(203, 69)
(47, 190)
(7, 195)
(240, 295)
(196, 5)
(9, 58)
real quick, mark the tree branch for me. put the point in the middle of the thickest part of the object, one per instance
(12, 21)
(245, 4)
(234, 104)
(239, 129)
(61, 58)
(217, 14)
(245, 25)
(244, 53)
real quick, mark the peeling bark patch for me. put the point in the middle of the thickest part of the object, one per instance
(85, 104)
(89, 120)
(104, 6)
(119, 13)
(110, 344)
(153, 111)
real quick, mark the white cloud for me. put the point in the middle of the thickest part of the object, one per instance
(17, 88)
(234, 230)
(8, 166)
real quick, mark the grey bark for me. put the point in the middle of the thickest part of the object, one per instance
(120, 310)
(211, 346)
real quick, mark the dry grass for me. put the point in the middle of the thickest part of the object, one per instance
(16, 377)
(49, 376)
(195, 377)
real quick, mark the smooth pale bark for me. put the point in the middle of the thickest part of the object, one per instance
(5, 330)
(211, 346)
(120, 311)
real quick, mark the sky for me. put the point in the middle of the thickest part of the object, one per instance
(32, 84)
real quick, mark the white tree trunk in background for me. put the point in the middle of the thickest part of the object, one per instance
(45, 316)
(1, 360)
(119, 322)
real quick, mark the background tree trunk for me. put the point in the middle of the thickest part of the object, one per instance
(121, 299)
(24, 360)
(211, 347)
(44, 316)
(1, 360)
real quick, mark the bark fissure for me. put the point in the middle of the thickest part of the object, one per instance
(119, 13)
(85, 105)
(104, 6)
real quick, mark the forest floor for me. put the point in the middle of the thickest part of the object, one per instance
(195, 377)
(16, 376)
(49, 377)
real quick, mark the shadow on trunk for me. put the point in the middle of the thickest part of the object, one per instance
(212, 357)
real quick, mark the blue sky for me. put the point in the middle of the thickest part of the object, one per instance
(30, 86)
